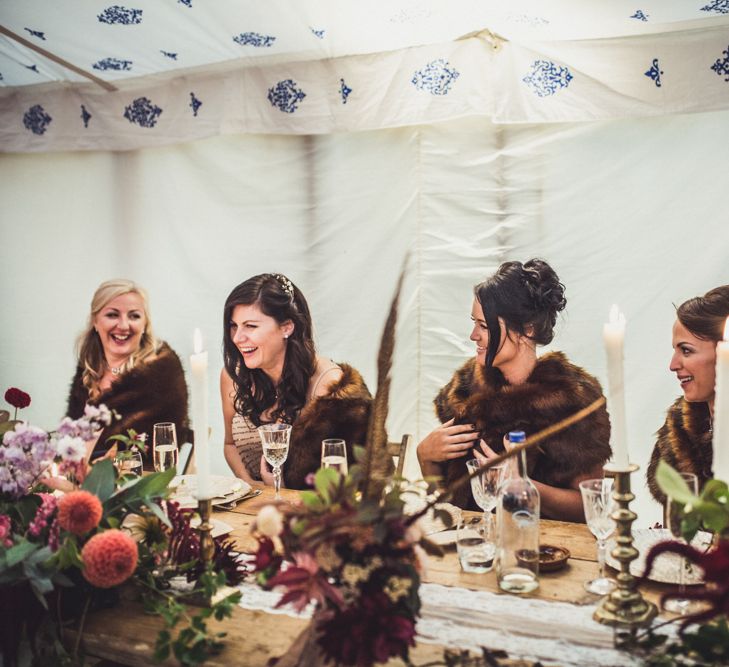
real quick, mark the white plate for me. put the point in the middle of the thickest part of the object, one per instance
(431, 525)
(665, 567)
(224, 487)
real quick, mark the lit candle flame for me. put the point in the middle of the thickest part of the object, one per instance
(616, 317)
(197, 342)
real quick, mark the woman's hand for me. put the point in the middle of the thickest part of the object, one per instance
(448, 441)
(266, 474)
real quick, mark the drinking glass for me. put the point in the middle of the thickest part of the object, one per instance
(275, 441)
(130, 462)
(475, 544)
(485, 487)
(164, 446)
(680, 606)
(597, 500)
(334, 455)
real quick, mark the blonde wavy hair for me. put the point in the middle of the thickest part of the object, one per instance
(90, 350)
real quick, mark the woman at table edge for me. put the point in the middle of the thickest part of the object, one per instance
(507, 387)
(122, 364)
(272, 373)
(685, 439)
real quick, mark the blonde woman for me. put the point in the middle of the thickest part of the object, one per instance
(123, 365)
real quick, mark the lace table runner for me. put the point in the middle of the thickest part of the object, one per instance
(556, 633)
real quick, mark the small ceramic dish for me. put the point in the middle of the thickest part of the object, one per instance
(552, 558)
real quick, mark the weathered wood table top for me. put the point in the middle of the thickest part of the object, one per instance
(126, 635)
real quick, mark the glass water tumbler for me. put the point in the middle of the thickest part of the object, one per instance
(517, 517)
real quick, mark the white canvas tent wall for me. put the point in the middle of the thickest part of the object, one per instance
(456, 143)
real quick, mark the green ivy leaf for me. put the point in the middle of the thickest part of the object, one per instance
(311, 500)
(101, 480)
(326, 481)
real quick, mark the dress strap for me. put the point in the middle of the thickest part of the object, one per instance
(333, 367)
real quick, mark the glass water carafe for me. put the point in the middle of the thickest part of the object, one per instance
(517, 517)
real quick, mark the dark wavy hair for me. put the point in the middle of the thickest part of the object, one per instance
(705, 316)
(279, 298)
(526, 296)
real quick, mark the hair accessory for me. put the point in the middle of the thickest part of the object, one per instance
(286, 285)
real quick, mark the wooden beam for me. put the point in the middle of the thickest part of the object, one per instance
(60, 61)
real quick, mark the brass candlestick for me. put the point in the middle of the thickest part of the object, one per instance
(207, 546)
(625, 609)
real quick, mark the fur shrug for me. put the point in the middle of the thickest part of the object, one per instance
(554, 390)
(153, 391)
(342, 413)
(684, 442)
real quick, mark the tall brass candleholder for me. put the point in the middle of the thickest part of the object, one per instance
(624, 609)
(207, 546)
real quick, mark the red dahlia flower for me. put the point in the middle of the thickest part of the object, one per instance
(79, 512)
(110, 558)
(17, 398)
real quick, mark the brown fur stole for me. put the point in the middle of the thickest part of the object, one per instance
(343, 413)
(554, 390)
(153, 391)
(684, 442)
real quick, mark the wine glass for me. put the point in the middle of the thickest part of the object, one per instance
(334, 455)
(130, 462)
(485, 487)
(597, 500)
(164, 446)
(275, 441)
(680, 605)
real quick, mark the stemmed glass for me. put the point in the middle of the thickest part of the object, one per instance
(597, 500)
(334, 455)
(485, 492)
(275, 441)
(680, 605)
(164, 446)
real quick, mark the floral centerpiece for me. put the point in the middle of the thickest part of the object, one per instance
(61, 553)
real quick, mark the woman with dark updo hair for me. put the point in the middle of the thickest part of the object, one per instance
(684, 440)
(272, 373)
(506, 387)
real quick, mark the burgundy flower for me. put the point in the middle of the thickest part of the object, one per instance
(17, 398)
(370, 632)
(305, 582)
(715, 591)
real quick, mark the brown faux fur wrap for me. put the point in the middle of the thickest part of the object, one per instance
(554, 390)
(342, 413)
(684, 442)
(153, 391)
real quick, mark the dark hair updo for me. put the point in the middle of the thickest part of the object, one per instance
(705, 316)
(255, 392)
(526, 296)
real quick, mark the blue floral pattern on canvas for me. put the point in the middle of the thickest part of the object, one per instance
(142, 112)
(437, 77)
(286, 96)
(187, 3)
(317, 33)
(655, 73)
(118, 15)
(116, 64)
(718, 6)
(168, 54)
(36, 119)
(85, 116)
(721, 66)
(640, 15)
(254, 39)
(195, 104)
(547, 78)
(344, 90)
(36, 33)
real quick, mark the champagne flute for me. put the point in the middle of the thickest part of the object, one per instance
(680, 605)
(334, 455)
(597, 500)
(164, 446)
(275, 441)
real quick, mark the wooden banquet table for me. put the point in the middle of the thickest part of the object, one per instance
(125, 634)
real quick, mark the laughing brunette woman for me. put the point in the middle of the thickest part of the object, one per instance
(272, 373)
